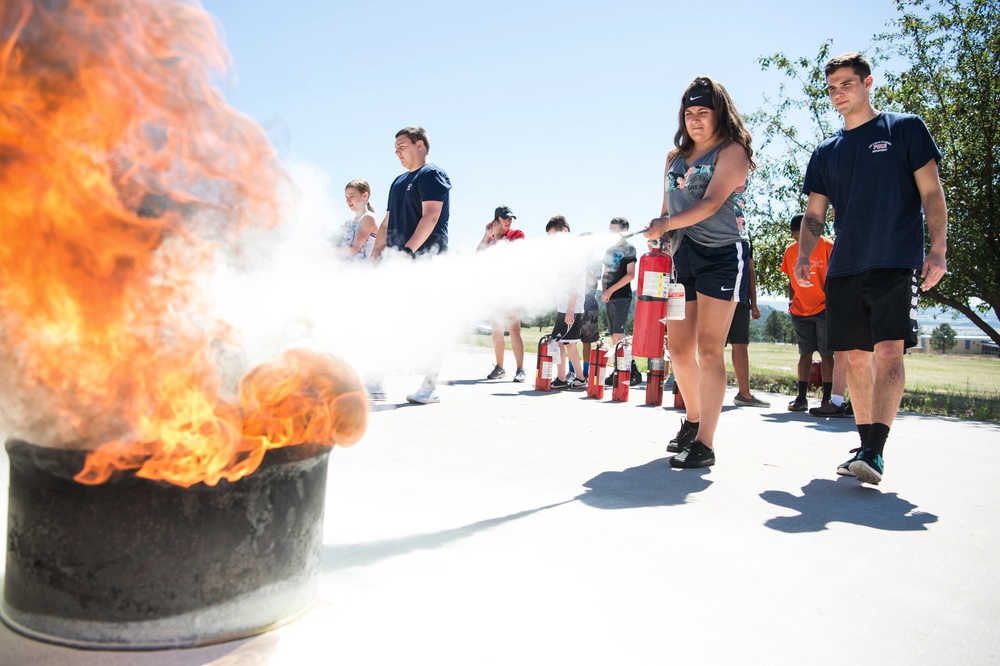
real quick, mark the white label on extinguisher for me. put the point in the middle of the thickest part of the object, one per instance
(554, 351)
(675, 301)
(624, 363)
(653, 283)
(547, 370)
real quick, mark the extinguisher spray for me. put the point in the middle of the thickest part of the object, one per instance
(654, 383)
(598, 370)
(623, 370)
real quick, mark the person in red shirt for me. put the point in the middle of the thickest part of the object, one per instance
(500, 230)
(808, 310)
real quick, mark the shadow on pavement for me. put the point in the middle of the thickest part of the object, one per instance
(845, 501)
(652, 484)
(336, 558)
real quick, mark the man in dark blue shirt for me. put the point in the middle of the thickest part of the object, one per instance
(416, 219)
(879, 172)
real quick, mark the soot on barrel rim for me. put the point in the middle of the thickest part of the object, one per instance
(137, 564)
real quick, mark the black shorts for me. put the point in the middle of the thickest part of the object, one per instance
(718, 272)
(871, 307)
(573, 333)
(811, 334)
(617, 311)
(739, 330)
(588, 327)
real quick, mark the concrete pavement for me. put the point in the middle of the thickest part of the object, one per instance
(505, 526)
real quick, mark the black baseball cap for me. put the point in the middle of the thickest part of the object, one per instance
(503, 211)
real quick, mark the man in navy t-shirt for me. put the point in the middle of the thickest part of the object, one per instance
(416, 218)
(880, 173)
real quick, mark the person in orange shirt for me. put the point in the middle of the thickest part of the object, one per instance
(808, 310)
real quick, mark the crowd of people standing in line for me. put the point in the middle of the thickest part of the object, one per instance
(853, 300)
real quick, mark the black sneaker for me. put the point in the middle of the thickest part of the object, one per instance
(868, 466)
(610, 379)
(560, 384)
(844, 468)
(798, 405)
(848, 408)
(828, 409)
(698, 455)
(684, 438)
(498, 373)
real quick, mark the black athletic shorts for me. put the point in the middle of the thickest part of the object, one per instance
(739, 330)
(588, 327)
(560, 330)
(720, 272)
(617, 313)
(866, 308)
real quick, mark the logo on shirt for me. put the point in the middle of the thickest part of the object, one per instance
(880, 147)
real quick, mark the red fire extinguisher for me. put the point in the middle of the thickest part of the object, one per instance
(544, 366)
(623, 370)
(651, 302)
(598, 370)
(654, 383)
(678, 398)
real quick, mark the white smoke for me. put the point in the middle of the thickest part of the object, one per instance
(395, 316)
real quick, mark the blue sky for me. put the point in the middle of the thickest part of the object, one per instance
(547, 107)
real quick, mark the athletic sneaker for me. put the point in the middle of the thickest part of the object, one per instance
(560, 384)
(868, 466)
(698, 455)
(828, 409)
(848, 408)
(425, 395)
(376, 393)
(684, 438)
(576, 383)
(798, 405)
(610, 379)
(752, 401)
(844, 468)
(498, 373)
(519, 375)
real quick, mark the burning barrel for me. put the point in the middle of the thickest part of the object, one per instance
(141, 564)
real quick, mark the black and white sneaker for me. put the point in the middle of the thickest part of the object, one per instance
(684, 438)
(519, 375)
(697, 455)
(844, 468)
(560, 384)
(498, 373)
(868, 466)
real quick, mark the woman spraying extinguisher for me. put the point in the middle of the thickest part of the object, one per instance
(704, 181)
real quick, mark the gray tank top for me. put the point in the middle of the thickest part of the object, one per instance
(685, 184)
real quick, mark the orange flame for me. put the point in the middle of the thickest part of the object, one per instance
(122, 172)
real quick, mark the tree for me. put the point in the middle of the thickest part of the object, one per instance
(943, 338)
(778, 327)
(953, 82)
(950, 76)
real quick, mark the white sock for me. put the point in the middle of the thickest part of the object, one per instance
(837, 400)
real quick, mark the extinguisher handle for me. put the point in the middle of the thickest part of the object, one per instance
(635, 233)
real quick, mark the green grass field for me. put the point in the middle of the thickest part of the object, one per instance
(947, 385)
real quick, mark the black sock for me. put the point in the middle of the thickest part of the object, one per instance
(864, 429)
(827, 389)
(803, 388)
(877, 436)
